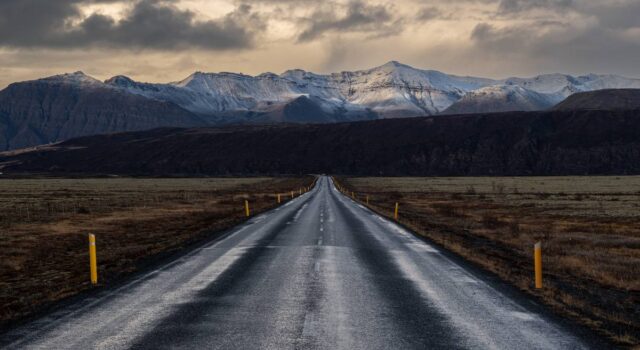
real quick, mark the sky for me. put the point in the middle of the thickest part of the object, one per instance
(166, 40)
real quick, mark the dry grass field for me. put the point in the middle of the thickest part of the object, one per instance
(589, 228)
(44, 225)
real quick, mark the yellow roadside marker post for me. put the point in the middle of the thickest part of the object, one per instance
(246, 207)
(395, 213)
(278, 198)
(291, 194)
(537, 260)
(353, 195)
(93, 260)
(300, 191)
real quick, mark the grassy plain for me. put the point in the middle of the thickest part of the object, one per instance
(589, 228)
(44, 225)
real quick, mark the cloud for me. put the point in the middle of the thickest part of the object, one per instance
(495, 38)
(428, 13)
(622, 14)
(514, 6)
(148, 24)
(375, 20)
(583, 46)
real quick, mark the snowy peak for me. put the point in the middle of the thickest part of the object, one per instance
(302, 77)
(392, 67)
(76, 78)
(394, 64)
(121, 81)
(202, 78)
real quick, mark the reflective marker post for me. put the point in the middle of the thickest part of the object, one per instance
(395, 213)
(93, 260)
(537, 260)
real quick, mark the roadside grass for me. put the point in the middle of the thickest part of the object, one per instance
(589, 228)
(44, 225)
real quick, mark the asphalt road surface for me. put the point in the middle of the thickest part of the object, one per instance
(320, 272)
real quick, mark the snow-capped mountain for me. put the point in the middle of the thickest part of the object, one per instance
(388, 91)
(501, 98)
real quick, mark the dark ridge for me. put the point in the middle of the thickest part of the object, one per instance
(515, 143)
(607, 99)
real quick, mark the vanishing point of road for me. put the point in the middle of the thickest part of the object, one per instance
(319, 272)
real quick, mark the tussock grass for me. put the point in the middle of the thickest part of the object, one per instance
(44, 225)
(589, 227)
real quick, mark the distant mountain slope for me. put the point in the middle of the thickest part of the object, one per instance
(518, 143)
(560, 86)
(608, 99)
(72, 105)
(500, 98)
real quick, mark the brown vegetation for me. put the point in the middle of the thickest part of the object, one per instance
(44, 225)
(589, 228)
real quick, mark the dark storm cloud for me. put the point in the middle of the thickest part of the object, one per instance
(154, 24)
(428, 13)
(376, 20)
(557, 44)
(616, 15)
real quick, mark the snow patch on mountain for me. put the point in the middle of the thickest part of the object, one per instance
(501, 98)
(76, 78)
(560, 86)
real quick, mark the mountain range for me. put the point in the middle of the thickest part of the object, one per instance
(388, 91)
(69, 105)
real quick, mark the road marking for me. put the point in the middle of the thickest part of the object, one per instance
(297, 216)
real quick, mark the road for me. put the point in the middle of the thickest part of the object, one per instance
(320, 272)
